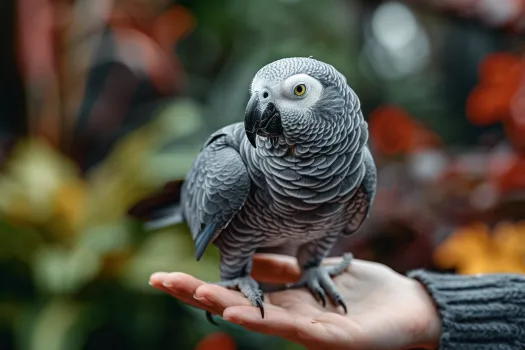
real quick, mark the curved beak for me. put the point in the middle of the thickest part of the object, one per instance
(266, 123)
(252, 119)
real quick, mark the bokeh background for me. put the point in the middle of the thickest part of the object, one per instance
(102, 101)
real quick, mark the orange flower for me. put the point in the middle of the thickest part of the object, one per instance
(499, 69)
(216, 341)
(393, 131)
(487, 105)
(500, 75)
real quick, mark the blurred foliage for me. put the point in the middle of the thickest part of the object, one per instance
(104, 101)
(474, 249)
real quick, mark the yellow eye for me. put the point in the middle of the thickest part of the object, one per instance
(299, 89)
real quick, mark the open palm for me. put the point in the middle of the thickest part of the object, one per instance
(386, 310)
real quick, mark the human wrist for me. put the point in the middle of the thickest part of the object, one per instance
(428, 329)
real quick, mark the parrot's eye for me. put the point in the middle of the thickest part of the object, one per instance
(299, 90)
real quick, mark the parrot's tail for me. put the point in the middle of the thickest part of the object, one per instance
(161, 209)
(165, 217)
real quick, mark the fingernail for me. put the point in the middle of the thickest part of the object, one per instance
(167, 284)
(203, 300)
(158, 274)
(233, 320)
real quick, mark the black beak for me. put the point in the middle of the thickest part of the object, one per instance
(267, 124)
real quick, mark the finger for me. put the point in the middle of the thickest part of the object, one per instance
(221, 298)
(180, 286)
(274, 268)
(277, 322)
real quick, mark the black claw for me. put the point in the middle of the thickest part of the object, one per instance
(210, 319)
(260, 306)
(291, 286)
(321, 295)
(343, 305)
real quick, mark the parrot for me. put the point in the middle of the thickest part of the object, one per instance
(297, 171)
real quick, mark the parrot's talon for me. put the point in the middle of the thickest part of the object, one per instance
(322, 296)
(248, 287)
(343, 305)
(260, 306)
(319, 281)
(210, 319)
(291, 286)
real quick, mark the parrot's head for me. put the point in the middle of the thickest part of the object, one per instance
(298, 100)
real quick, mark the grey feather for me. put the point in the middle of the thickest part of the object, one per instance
(215, 188)
(270, 196)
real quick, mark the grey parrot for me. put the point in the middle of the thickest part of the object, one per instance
(297, 172)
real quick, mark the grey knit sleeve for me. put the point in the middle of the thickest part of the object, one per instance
(479, 312)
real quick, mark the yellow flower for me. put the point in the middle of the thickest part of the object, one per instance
(475, 249)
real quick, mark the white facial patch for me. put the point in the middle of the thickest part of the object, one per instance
(282, 93)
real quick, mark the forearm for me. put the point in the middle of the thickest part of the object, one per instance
(478, 312)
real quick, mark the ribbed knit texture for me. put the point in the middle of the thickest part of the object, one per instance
(479, 312)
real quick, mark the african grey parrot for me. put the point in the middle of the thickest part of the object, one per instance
(298, 172)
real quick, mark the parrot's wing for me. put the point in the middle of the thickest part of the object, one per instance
(215, 189)
(364, 196)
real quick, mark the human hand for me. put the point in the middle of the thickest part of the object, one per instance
(386, 310)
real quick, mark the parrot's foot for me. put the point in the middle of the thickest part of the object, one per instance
(247, 286)
(319, 281)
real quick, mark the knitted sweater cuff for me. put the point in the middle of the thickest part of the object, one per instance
(478, 311)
